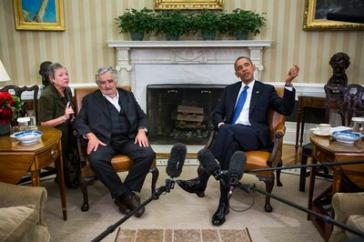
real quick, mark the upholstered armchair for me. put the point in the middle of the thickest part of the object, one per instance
(270, 157)
(120, 163)
(349, 209)
(22, 213)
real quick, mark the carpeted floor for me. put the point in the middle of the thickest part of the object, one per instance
(181, 210)
(183, 235)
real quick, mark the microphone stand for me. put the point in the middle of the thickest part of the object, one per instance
(327, 219)
(155, 196)
(319, 165)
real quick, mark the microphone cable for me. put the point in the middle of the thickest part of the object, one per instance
(241, 210)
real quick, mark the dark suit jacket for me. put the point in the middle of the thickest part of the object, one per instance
(264, 98)
(95, 117)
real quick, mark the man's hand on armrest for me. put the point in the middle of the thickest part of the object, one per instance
(141, 138)
(93, 142)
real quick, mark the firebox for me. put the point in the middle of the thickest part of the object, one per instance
(181, 112)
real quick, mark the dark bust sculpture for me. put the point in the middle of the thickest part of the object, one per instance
(339, 63)
(338, 81)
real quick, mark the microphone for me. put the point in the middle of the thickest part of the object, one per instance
(210, 164)
(176, 160)
(236, 169)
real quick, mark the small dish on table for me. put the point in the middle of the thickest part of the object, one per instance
(346, 136)
(27, 136)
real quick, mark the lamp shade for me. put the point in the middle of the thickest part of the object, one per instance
(3, 74)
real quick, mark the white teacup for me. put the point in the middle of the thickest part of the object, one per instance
(324, 128)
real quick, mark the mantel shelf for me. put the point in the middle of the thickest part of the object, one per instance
(190, 44)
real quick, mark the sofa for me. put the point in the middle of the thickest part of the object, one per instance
(349, 209)
(22, 214)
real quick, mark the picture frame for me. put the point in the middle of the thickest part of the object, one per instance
(189, 4)
(39, 15)
(316, 11)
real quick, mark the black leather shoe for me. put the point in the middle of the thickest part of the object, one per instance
(132, 201)
(219, 216)
(193, 186)
(122, 207)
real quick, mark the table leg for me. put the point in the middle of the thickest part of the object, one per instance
(34, 171)
(312, 185)
(302, 127)
(35, 178)
(60, 172)
(299, 119)
(337, 179)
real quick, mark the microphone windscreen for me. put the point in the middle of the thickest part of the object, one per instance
(237, 163)
(208, 161)
(176, 160)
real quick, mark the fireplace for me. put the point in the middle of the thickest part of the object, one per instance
(181, 112)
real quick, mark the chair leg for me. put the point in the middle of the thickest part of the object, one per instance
(278, 173)
(269, 183)
(155, 175)
(83, 186)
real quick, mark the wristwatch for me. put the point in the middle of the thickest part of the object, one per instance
(145, 129)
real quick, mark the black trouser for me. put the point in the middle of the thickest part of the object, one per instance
(231, 138)
(101, 164)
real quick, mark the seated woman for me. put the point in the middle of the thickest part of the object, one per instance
(55, 110)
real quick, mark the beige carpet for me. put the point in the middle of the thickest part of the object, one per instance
(181, 210)
(183, 235)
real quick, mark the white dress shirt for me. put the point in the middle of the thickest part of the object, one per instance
(114, 100)
(244, 114)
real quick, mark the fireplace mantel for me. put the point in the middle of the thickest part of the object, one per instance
(140, 63)
(191, 44)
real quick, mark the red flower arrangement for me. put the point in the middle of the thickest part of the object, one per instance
(9, 107)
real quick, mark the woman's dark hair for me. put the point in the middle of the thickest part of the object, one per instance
(43, 71)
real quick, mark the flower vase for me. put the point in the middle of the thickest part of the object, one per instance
(5, 128)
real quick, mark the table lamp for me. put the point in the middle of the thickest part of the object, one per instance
(3, 74)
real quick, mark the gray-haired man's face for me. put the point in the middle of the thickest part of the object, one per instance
(107, 85)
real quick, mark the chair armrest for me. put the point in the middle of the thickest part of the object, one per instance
(346, 204)
(16, 195)
(81, 147)
(210, 139)
(276, 154)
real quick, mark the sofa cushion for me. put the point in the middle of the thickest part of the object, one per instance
(16, 221)
(355, 222)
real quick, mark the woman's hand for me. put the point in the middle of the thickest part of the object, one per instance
(141, 139)
(93, 143)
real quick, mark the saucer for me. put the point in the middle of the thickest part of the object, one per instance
(319, 133)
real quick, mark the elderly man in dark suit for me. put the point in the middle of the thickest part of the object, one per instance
(241, 119)
(113, 122)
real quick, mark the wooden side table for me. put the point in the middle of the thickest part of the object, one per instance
(17, 159)
(324, 149)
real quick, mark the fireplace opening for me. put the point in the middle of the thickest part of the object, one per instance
(181, 112)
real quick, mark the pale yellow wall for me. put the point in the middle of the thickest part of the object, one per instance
(89, 24)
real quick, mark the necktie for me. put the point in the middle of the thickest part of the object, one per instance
(240, 105)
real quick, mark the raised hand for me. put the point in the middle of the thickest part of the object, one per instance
(292, 74)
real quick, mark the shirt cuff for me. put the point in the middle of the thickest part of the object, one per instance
(289, 88)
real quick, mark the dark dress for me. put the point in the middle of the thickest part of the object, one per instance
(51, 106)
